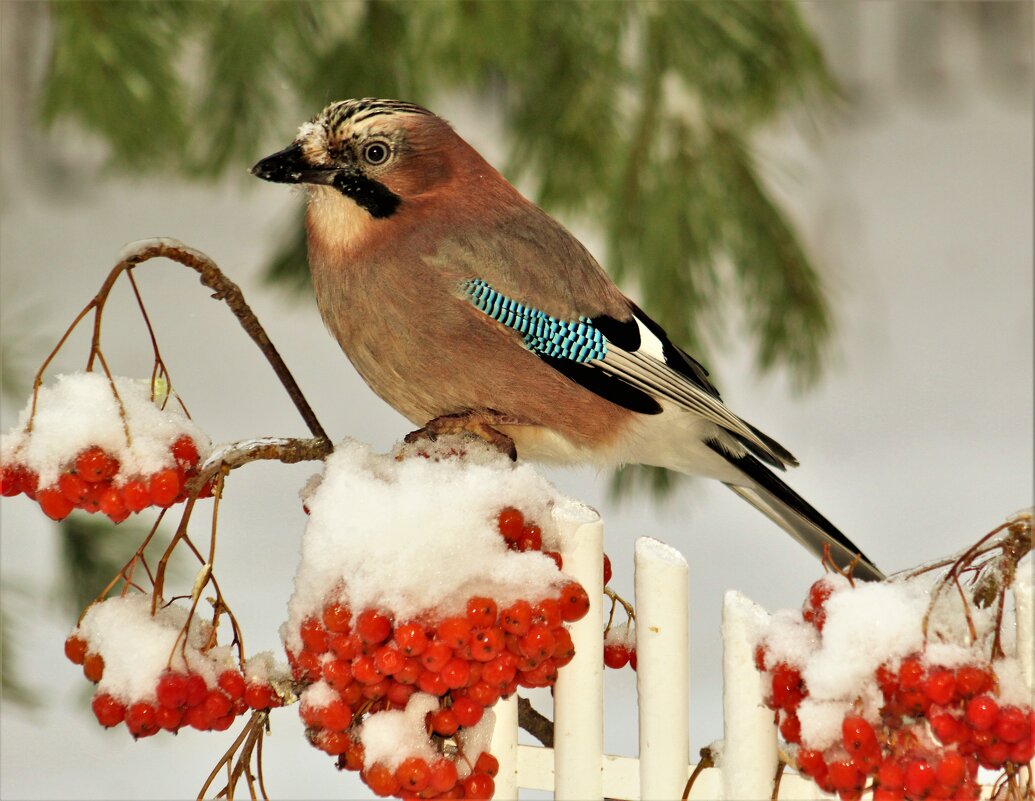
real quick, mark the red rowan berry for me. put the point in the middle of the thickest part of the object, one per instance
(487, 644)
(517, 618)
(444, 722)
(574, 602)
(454, 631)
(141, 719)
(164, 487)
(413, 775)
(53, 504)
(373, 627)
(75, 649)
(93, 465)
(171, 690)
(411, 639)
(443, 775)
(481, 612)
(940, 686)
(232, 683)
(488, 764)
(93, 667)
(185, 451)
(337, 618)
(981, 712)
(479, 786)
(468, 712)
(380, 779)
(108, 710)
(616, 656)
(135, 495)
(511, 523)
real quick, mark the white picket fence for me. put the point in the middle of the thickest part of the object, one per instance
(577, 769)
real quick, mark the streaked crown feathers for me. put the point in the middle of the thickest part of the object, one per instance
(325, 136)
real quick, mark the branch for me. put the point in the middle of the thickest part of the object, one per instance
(223, 289)
(534, 722)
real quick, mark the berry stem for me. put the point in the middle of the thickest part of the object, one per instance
(992, 575)
(707, 761)
(127, 570)
(614, 596)
(160, 370)
(37, 382)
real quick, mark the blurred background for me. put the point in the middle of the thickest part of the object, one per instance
(830, 205)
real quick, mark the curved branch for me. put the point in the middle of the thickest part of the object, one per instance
(223, 289)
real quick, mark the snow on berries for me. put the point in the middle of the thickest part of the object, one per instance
(620, 646)
(891, 686)
(86, 449)
(155, 672)
(428, 590)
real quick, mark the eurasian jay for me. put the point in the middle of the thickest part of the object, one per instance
(466, 307)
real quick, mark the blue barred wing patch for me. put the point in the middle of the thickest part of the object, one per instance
(578, 340)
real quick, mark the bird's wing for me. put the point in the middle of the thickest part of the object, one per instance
(630, 362)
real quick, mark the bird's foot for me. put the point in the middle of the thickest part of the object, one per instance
(480, 424)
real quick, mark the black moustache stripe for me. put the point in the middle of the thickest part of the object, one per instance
(371, 195)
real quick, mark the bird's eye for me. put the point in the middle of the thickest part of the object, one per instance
(375, 153)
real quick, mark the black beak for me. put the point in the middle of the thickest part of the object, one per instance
(288, 166)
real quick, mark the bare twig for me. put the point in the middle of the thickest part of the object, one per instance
(776, 780)
(990, 577)
(286, 450)
(238, 757)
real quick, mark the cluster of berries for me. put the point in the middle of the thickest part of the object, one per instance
(935, 727)
(619, 642)
(447, 776)
(91, 482)
(180, 699)
(417, 778)
(370, 662)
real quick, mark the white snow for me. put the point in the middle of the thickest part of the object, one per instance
(391, 736)
(138, 648)
(79, 411)
(263, 668)
(419, 535)
(319, 695)
(821, 721)
(790, 639)
(1013, 689)
(474, 741)
(622, 635)
(874, 623)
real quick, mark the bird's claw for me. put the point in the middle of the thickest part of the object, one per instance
(471, 423)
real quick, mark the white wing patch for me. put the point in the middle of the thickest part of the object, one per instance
(649, 343)
(646, 369)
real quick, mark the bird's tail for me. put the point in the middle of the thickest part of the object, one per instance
(767, 493)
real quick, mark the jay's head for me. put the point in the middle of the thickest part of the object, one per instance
(376, 153)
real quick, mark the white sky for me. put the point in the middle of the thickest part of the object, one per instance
(918, 440)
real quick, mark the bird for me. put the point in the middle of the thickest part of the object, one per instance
(468, 308)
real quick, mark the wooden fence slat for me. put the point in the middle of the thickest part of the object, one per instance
(579, 691)
(663, 669)
(749, 755)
